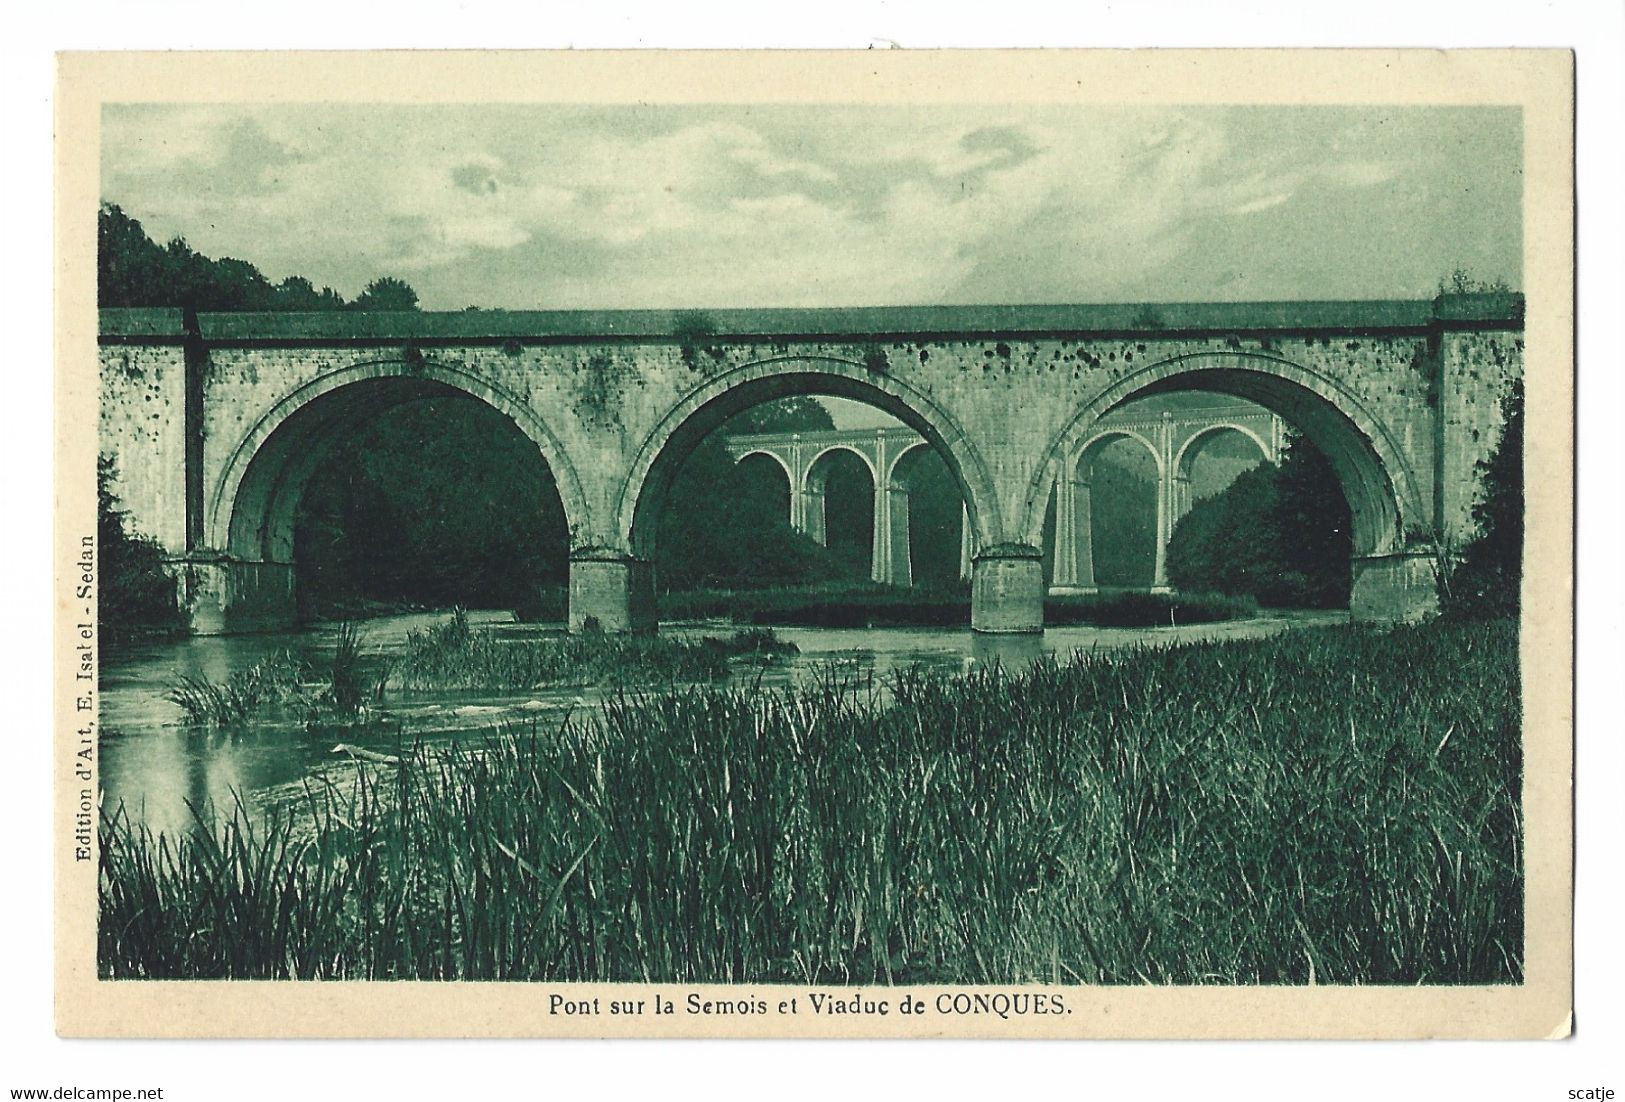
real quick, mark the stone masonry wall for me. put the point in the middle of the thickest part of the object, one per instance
(603, 400)
(143, 427)
(1421, 381)
(1477, 369)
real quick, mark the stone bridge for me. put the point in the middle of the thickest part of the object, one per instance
(216, 421)
(1173, 437)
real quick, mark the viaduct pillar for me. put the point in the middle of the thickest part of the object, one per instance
(812, 513)
(1007, 589)
(890, 560)
(967, 542)
(222, 595)
(1074, 536)
(611, 591)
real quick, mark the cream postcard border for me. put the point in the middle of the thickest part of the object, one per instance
(1538, 81)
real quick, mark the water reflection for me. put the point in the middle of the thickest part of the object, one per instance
(1013, 652)
(155, 766)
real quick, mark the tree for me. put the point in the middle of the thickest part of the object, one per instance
(797, 413)
(133, 270)
(435, 502)
(1486, 581)
(1279, 533)
(1225, 543)
(1313, 527)
(135, 591)
(721, 528)
(298, 293)
(386, 293)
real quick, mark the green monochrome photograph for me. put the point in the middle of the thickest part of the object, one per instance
(903, 535)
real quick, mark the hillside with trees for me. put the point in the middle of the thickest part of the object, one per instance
(134, 270)
(723, 528)
(134, 593)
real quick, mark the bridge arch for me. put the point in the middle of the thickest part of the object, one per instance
(807, 471)
(778, 460)
(705, 407)
(1376, 478)
(1185, 457)
(896, 461)
(252, 506)
(1099, 440)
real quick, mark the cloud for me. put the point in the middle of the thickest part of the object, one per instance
(1268, 201)
(474, 178)
(1360, 173)
(720, 206)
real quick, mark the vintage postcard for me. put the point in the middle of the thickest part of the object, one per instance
(874, 544)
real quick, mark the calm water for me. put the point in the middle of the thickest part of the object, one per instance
(153, 764)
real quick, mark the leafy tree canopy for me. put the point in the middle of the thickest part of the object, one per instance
(721, 527)
(133, 270)
(1280, 534)
(386, 293)
(135, 591)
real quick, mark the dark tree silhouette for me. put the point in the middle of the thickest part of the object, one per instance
(1486, 582)
(437, 502)
(387, 293)
(133, 270)
(1280, 534)
(134, 590)
(721, 528)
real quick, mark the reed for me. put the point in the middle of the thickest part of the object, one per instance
(1337, 805)
(277, 680)
(451, 655)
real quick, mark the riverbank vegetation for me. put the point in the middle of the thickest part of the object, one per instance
(453, 655)
(1337, 806)
(869, 605)
(336, 691)
(135, 595)
(1485, 583)
(280, 680)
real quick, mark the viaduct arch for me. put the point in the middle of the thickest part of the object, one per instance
(1170, 437)
(215, 421)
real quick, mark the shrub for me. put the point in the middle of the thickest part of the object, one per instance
(1279, 534)
(1486, 582)
(135, 591)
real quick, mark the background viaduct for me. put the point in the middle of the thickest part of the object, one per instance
(1171, 438)
(217, 421)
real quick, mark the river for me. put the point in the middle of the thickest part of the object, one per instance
(154, 765)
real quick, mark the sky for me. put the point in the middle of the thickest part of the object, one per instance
(549, 206)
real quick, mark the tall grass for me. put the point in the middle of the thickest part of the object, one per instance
(271, 681)
(347, 687)
(1333, 806)
(282, 680)
(452, 655)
